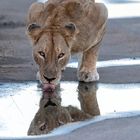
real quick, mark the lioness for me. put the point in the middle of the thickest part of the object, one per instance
(60, 28)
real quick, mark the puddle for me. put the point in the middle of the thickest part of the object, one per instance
(19, 103)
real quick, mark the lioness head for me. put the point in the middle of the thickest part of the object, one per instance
(52, 34)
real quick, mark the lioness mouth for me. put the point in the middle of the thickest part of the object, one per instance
(48, 88)
(49, 103)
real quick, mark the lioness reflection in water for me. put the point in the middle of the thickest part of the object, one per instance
(52, 115)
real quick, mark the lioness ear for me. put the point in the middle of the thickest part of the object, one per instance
(71, 29)
(33, 27)
(74, 10)
(33, 30)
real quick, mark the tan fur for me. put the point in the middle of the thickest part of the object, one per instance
(68, 27)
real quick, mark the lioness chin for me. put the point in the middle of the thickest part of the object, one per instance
(60, 28)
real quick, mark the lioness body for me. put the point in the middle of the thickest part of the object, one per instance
(59, 28)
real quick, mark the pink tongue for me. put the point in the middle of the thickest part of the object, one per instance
(49, 88)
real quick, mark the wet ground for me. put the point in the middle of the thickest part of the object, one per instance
(19, 102)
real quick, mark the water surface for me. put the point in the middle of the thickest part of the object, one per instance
(19, 102)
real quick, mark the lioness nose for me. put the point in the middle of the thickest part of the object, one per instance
(49, 79)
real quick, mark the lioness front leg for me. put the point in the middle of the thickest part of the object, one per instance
(87, 71)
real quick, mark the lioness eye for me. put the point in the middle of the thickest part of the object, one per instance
(42, 53)
(60, 55)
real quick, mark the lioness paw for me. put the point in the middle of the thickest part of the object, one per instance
(88, 76)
